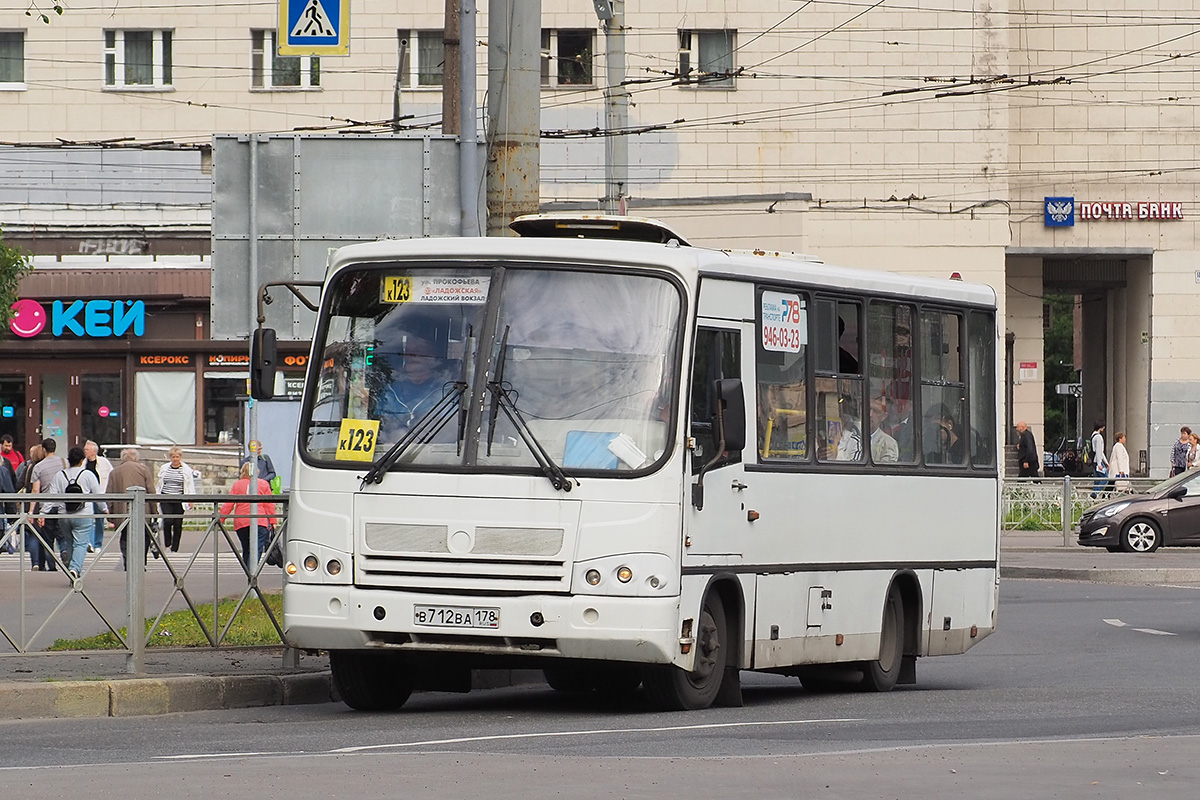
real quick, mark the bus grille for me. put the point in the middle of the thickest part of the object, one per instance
(484, 560)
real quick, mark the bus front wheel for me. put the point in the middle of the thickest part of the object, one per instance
(370, 681)
(670, 688)
(881, 675)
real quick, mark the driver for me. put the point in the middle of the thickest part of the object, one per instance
(417, 386)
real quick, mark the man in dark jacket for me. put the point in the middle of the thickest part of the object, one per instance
(131, 472)
(1027, 456)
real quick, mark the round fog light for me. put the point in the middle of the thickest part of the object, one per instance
(624, 574)
(334, 567)
(592, 576)
(311, 563)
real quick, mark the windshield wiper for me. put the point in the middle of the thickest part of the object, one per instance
(502, 396)
(422, 431)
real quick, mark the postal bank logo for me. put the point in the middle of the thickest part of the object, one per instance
(90, 319)
(1060, 212)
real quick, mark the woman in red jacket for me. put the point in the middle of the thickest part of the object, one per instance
(247, 514)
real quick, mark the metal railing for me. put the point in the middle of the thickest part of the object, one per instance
(105, 595)
(1053, 504)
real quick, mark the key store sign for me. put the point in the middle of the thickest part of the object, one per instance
(83, 319)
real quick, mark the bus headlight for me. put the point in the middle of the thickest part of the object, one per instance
(626, 575)
(334, 567)
(311, 563)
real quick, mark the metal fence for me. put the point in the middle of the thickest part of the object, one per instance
(57, 605)
(1056, 504)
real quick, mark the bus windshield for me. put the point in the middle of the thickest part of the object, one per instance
(580, 369)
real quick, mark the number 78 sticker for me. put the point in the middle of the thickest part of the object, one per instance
(356, 440)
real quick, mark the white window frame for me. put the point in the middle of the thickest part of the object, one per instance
(550, 57)
(161, 60)
(262, 64)
(16, 86)
(690, 66)
(411, 66)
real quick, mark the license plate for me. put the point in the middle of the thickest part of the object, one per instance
(456, 617)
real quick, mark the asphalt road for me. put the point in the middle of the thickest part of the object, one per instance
(1087, 690)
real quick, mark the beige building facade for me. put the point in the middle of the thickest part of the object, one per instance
(924, 138)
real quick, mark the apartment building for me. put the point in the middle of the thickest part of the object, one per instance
(1035, 148)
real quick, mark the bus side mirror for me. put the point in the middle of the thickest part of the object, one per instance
(732, 408)
(264, 355)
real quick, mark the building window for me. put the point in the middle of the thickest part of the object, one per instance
(567, 57)
(12, 59)
(269, 70)
(224, 396)
(429, 65)
(165, 407)
(137, 59)
(706, 58)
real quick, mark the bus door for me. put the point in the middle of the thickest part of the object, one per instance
(720, 525)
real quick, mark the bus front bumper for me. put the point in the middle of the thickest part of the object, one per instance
(630, 629)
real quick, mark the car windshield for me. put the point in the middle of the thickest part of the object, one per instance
(579, 369)
(1174, 480)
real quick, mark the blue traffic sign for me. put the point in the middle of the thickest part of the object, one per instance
(314, 27)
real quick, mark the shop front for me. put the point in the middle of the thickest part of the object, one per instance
(133, 365)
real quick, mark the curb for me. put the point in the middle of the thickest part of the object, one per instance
(1128, 577)
(145, 696)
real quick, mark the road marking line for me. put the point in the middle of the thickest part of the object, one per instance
(1154, 632)
(1116, 623)
(595, 732)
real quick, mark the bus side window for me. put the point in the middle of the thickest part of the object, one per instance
(717, 356)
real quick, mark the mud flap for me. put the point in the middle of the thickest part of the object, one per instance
(908, 671)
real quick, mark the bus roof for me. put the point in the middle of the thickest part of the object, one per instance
(687, 262)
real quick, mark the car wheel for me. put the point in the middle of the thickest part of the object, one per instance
(1141, 536)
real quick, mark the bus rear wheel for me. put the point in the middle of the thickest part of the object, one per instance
(370, 681)
(881, 675)
(670, 688)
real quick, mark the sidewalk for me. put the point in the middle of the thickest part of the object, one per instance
(1041, 554)
(198, 680)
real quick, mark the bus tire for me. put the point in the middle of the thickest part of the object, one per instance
(370, 681)
(669, 688)
(881, 675)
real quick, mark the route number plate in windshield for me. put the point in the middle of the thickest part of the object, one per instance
(456, 617)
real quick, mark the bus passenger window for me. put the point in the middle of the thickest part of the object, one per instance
(839, 420)
(781, 370)
(890, 367)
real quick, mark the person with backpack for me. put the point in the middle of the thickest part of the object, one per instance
(77, 481)
(1100, 461)
(54, 535)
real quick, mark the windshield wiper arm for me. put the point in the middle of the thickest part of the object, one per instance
(501, 360)
(425, 428)
(502, 397)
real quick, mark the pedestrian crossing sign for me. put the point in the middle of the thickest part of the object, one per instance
(314, 27)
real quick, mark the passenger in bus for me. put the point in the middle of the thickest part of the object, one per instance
(884, 449)
(943, 444)
(849, 443)
(900, 426)
(418, 383)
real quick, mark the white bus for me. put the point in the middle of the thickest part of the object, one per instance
(639, 463)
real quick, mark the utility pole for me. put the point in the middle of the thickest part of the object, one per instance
(514, 111)
(468, 161)
(451, 66)
(616, 108)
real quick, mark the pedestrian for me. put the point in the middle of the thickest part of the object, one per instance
(248, 515)
(101, 467)
(130, 472)
(1118, 463)
(266, 468)
(1026, 452)
(34, 533)
(1179, 453)
(77, 519)
(1193, 459)
(53, 534)
(12, 457)
(174, 477)
(1099, 460)
(7, 486)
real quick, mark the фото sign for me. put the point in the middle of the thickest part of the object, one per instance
(84, 319)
